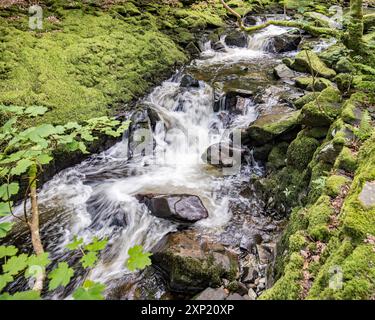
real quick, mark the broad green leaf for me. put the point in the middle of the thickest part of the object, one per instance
(44, 158)
(96, 245)
(138, 259)
(89, 259)
(15, 264)
(8, 189)
(89, 291)
(24, 295)
(4, 208)
(21, 167)
(4, 280)
(35, 111)
(5, 227)
(36, 263)
(77, 242)
(12, 109)
(60, 276)
(7, 251)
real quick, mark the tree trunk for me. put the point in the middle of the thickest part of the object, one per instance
(355, 26)
(34, 226)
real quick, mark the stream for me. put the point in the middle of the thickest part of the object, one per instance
(97, 198)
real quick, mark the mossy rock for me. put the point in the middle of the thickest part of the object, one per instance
(308, 61)
(333, 54)
(324, 110)
(318, 216)
(346, 160)
(344, 81)
(311, 84)
(305, 99)
(301, 151)
(335, 183)
(358, 219)
(344, 66)
(277, 156)
(192, 264)
(268, 127)
(316, 132)
(352, 111)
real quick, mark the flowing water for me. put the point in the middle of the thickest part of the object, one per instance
(97, 197)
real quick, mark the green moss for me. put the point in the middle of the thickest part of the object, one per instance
(318, 216)
(308, 61)
(89, 63)
(322, 111)
(288, 287)
(335, 183)
(344, 66)
(311, 96)
(297, 241)
(344, 81)
(359, 221)
(308, 83)
(301, 151)
(277, 156)
(351, 112)
(316, 132)
(346, 160)
(333, 54)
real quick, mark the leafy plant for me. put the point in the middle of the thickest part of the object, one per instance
(364, 130)
(138, 259)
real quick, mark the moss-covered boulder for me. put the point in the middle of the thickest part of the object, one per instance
(311, 96)
(301, 150)
(308, 61)
(351, 110)
(344, 66)
(311, 84)
(335, 183)
(318, 216)
(268, 127)
(277, 156)
(333, 54)
(346, 160)
(192, 264)
(322, 111)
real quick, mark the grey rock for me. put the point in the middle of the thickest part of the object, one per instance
(367, 195)
(235, 296)
(212, 294)
(251, 294)
(236, 38)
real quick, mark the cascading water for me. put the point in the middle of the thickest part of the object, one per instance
(97, 197)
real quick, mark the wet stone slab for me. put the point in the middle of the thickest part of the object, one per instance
(367, 195)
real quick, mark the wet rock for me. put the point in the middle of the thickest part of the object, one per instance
(212, 294)
(319, 19)
(268, 127)
(193, 49)
(188, 81)
(283, 72)
(192, 264)
(262, 152)
(367, 195)
(252, 295)
(308, 61)
(182, 208)
(235, 296)
(308, 83)
(329, 153)
(285, 42)
(266, 253)
(218, 46)
(236, 38)
(249, 20)
(222, 155)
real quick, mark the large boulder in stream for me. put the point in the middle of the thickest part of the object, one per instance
(308, 61)
(222, 155)
(191, 263)
(236, 38)
(183, 208)
(285, 42)
(270, 126)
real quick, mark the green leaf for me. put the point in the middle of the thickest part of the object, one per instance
(36, 263)
(60, 276)
(138, 259)
(15, 264)
(89, 259)
(5, 227)
(89, 291)
(12, 109)
(10, 189)
(21, 167)
(77, 242)
(96, 245)
(4, 280)
(44, 158)
(24, 295)
(5, 208)
(7, 251)
(35, 111)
